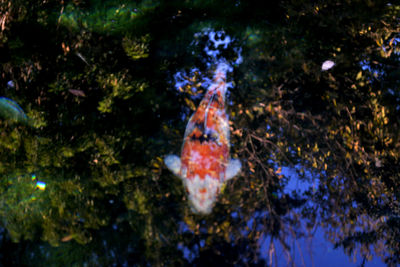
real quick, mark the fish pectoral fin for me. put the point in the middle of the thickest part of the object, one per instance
(232, 169)
(173, 163)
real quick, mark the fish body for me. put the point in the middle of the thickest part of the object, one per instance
(205, 162)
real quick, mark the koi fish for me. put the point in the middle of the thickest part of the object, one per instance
(205, 163)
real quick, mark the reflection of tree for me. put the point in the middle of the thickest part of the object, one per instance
(340, 124)
(102, 119)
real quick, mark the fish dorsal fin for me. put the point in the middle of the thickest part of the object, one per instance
(232, 169)
(173, 163)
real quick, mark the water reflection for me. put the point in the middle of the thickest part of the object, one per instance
(10, 110)
(98, 81)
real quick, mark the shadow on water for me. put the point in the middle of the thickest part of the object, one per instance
(95, 94)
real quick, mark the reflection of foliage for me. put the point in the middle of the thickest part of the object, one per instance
(136, 49)
(120, 88)
(101, 19)
(21, 206)
(339, 124)
(93, 79)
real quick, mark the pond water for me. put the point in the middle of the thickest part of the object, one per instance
(195, 133)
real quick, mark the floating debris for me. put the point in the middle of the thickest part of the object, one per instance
(328, 64)
(67, 238)
(10, 84)
(81, 57)
(77, 92)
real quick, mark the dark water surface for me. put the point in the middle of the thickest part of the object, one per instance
(95, 94)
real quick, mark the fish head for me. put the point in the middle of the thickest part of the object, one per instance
(219, 80)
(202, 193)
(221, 70)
